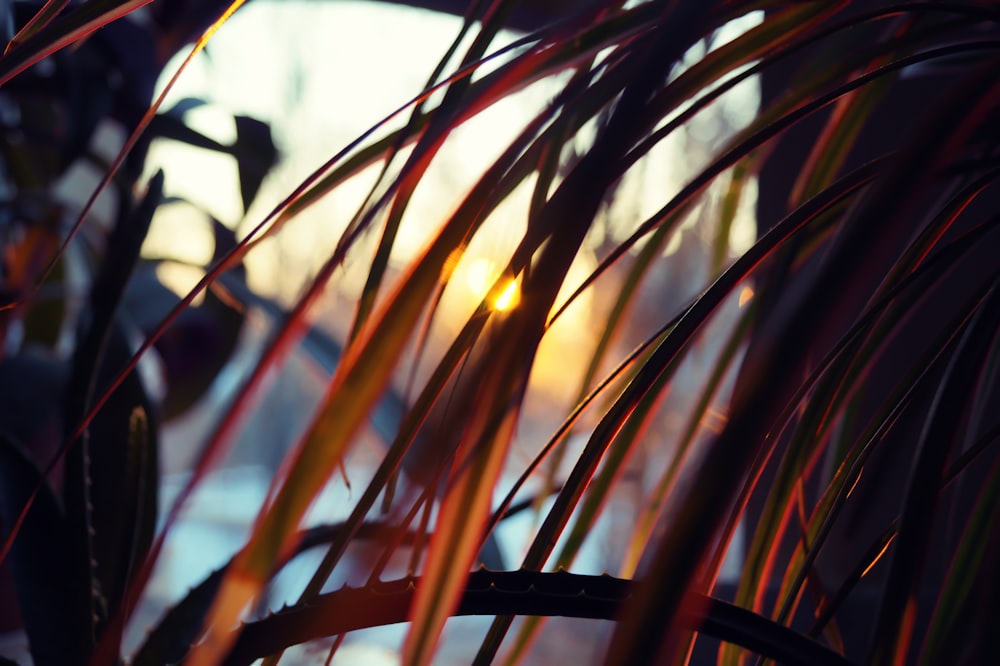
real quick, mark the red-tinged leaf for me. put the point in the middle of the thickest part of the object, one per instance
(614, 462)
(658, 498)
(44, 16)
(520, 592)
(776, 359)
(652, 249)
(457, 537)
(442, 122)
(877, 324)
(360, 379)
(62, 32)
(897, 614)
(571, 210)
(962, 592)
(770, 124)
(407, 432)
(548, 54)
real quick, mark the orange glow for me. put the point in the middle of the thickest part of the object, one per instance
(508, 298)
(855, 484)
(451, 263)
(879, 556)
(745, 295)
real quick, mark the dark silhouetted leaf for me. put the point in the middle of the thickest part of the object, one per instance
(39, 555)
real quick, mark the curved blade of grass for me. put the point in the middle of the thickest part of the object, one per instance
(44, 16)
(541, 148)
(362, 375)
(741, 50)
(546, 149)
(287, 335)
(616, 457)
(755, 578)
(875, 554)
(898, 609)
(613, 464)
(939, 354)
(949, 255)
(539, 62)
(840, 486)
(653, 506)
(466, 506)
(60, 33)
(521, 592)
(927, 274)
(668, 350)
(282, 343)
(664, 48)
(773, 366)
(573, 209)
(838, 137)
(442, 122)
(772, 123)
(549, 162)
(947, 635)
(658, 497)
(407, 432)
(703, 307)
(617, 317)
(603, 386)
(360, 379)
(878, 548)
(808, 440)
(851, 112)
(616, 416)
(452, 358)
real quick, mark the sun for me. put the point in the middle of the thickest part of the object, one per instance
(480, 277)
(509, 296)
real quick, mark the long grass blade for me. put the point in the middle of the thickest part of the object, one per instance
(774, 364)
(897, 613)
(63, 32)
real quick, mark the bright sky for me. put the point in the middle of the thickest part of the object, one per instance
(321, 73)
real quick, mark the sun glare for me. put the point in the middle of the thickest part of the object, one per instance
(479, 278)
(508, 298)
